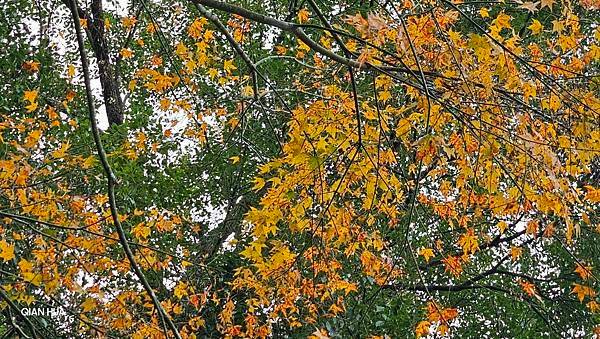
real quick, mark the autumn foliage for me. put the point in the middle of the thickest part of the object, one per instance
(305, 168)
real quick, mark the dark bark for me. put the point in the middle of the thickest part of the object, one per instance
(106, 68)
(108, 77)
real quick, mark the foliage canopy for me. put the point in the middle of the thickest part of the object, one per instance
(299, 168)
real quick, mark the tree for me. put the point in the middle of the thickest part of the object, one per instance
(303, 168)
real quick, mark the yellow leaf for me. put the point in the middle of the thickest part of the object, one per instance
(212, 73)
(141, 231)
(453, 265)
(422, 328)
(319, 334)
(530, 6)
(427, 253)
(180, 290)
(228, 65)
(88, 305)
(536, 27)
(484, 12)
(403, 127)
(89, 162)
(126, 53)
(31, 107)
(593, 306)
(235, 159)
(71, 71)
(33, 138)
(546, 3)
(33, 278)
(502, 21)
(30, 96)
(515, 252)
(60, 153)
(25, 265)
(303, 15)
(70, 95)
(468, 242)
(280, 50)
(532, 227)
(258, 184)
(131, 85)
(502, 226)
(128, 22)
(7, 251)
(583, 291)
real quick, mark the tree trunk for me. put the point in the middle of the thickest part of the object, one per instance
(108, 78)
(106, 69)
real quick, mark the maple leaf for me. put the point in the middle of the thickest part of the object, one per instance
(180, 290)
(592, 194)
(532, 227)
(585, 272)
(88, 305)
(546, 3)
(582, 291)
(319, 334)
(530, 6)
(32, 138)
(30, 96)
(502, 226)
(25, 266)
(303, 15)
(468, 242)
(228, 65)
(258, 184)
(557, 26)
(31, 66)
(60, 153)
(536, 27)
(404, 127)
(128, 22)
(422, 328)
(593, 306)
(248, 91)
(7, 251)
(515, 252)
(31, 107)
(527, 287)
(126, 53)
(453, 265)
(427, 253)
(71, 71)
(195, 29)
(375, 22)
(70, 95)
(502, 21)
(280, 50)
(484, 12)
(141, 231)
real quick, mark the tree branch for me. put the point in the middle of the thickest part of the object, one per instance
(112, 181)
